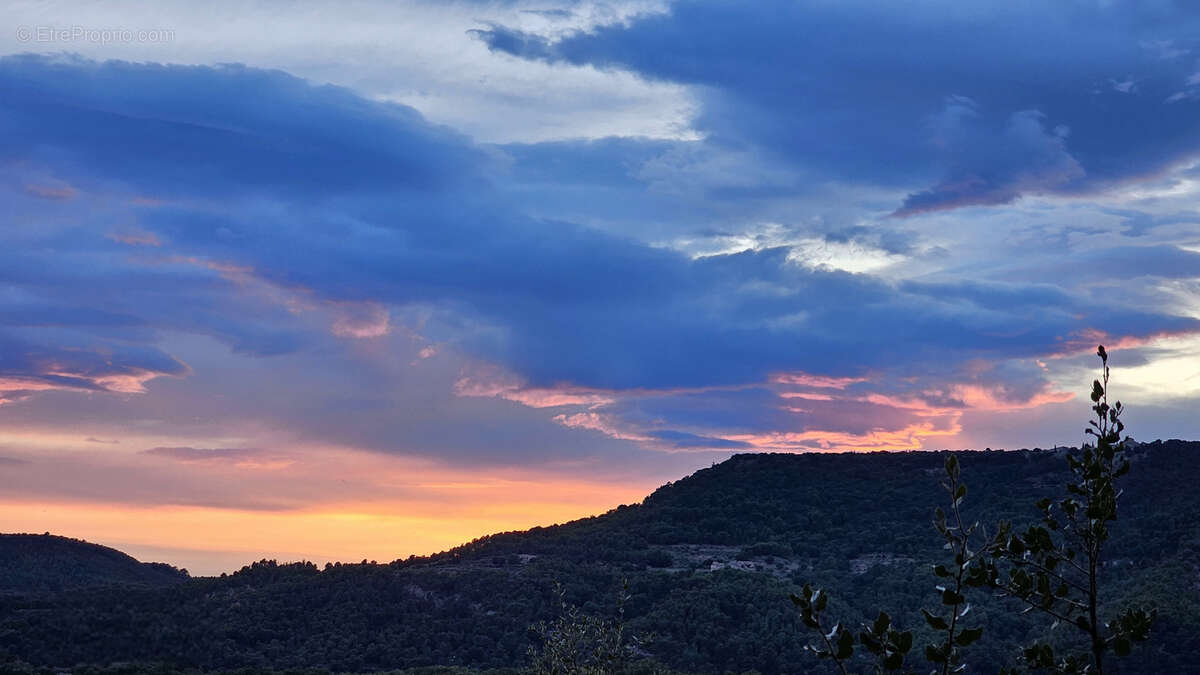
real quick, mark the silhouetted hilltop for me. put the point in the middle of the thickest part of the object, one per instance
(44, 562)
(840, 505)
(710, 560)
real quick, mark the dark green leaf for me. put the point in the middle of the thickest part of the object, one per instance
(935, 622)
(882, 622)
(871, 642)
(952, 465)
(968, 636)
(845, 645)
(934, 654)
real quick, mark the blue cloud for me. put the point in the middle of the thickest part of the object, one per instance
(981, 103)
(682, 440)
(262, 193)
(195, 130)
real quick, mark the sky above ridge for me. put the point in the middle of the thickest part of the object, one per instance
(295, 281)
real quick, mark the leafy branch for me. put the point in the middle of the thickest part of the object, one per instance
(838, 642)
(1054, 566)
(576, 643)
(972, 568)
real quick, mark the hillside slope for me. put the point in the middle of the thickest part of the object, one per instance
(710, 560)
(44, 562)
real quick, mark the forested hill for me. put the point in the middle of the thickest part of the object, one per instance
(710, 560)
(44, 562)
(838, 506)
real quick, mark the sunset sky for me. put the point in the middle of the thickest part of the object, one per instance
(370, 280)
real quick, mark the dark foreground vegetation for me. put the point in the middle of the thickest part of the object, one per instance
(710, 562)
(1054, 568)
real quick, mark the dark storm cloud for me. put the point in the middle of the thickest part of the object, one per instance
(982, 103)
(261, 193)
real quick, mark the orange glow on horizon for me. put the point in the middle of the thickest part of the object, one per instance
(208, 540)
(214, 510)
(876, 440)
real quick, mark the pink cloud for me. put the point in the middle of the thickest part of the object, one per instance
(243, 458)
(819, 381)
(605, 424)
(361, 320)
(982, 398)
(347, 319)
(135, 237)
(806, 395)
(910, 437)
(58, 376)
(1085, 341)
(54, 193)
(830, 413)
(487, 381)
